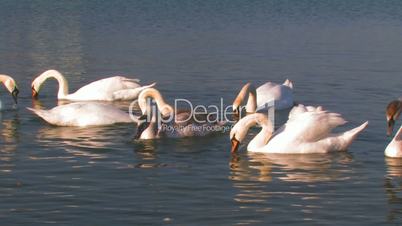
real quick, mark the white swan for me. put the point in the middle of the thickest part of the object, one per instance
(308, 130)
(394, 148)
(84, 114)
(107, 89)
(10, 85)
(172, 123)
(282, 94)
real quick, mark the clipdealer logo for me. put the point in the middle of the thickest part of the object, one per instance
(212, 118)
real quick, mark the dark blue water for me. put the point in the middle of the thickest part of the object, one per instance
(344, 55)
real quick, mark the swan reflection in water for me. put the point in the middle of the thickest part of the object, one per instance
(147, 154)
(299, 168)
(252, 173)
(393, 188)
(145, 150)
(9, 139)
(92, 142)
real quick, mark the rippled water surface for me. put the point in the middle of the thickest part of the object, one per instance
(344, 55)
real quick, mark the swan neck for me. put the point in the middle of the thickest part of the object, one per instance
(163, 107)
(4, 79)
(151, 131)
(63, 84)
(262, 138)
(398, 135)
(239, 100)
(251, 106)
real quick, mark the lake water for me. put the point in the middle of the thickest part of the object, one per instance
(343, 55)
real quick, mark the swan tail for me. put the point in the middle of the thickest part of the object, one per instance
(288, 83)
(148, 86)
(349, 136)
(142, 88)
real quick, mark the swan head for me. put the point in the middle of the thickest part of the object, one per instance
(36, 84)
(392, 114)
(240, 129)
(38, 81)
(11, 86)
(237, 135)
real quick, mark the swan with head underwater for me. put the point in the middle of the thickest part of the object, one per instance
(281, 94)
(107, 89)
(308, 130)
(11, 87)
(393, 111)
(173, 124)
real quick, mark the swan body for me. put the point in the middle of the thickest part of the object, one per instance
(84, 114)
(107, 89)
(11, 86)
(308, 130)
(263, 97)
(394, 148)
(173, 124)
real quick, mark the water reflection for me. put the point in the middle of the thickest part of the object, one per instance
(148, 155)
(145, 150)
(393, 188)
(9, 129)
(90, 142)
(253, 175)
(300, 168)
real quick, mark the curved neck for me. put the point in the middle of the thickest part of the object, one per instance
(251, 105)
(262, 138)
(8, 82)
(151, 131)
(153, 93)
(63, 84)
(4, 78)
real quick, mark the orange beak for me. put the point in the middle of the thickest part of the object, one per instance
(235, 145)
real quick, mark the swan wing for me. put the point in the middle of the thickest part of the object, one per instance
(311, 126)
(104, 89)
